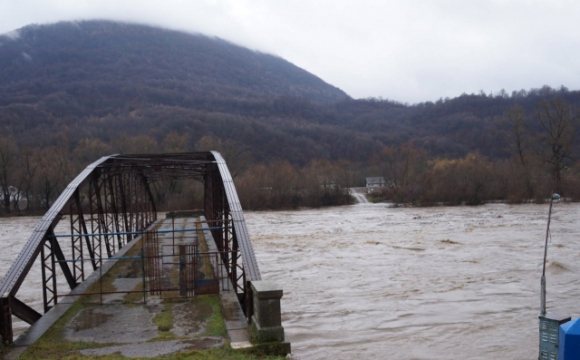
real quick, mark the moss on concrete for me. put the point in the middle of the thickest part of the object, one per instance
(164, 321)
(215, 325)
(267, 347)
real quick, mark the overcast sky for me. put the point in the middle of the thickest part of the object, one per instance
(409, 51)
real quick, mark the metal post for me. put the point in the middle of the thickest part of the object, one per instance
(143, 272)
(543, 281)
(182, 275)
(101, 273)
(49, 291)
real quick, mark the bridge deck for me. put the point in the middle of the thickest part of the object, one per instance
(110, 313)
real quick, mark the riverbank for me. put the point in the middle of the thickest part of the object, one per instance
(386, 198)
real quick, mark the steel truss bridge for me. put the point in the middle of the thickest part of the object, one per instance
(108, 205)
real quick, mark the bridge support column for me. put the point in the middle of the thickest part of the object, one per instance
(266, 329)
(6, 334)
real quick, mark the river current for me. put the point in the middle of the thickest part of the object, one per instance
(369, 281)
(372, 282)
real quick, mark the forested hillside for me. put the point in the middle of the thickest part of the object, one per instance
(72, 92)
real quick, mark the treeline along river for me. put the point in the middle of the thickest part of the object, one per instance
(369, 282)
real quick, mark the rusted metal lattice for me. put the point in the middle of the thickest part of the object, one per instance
(109, 204)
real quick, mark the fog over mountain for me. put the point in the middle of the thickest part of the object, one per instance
(71, 55)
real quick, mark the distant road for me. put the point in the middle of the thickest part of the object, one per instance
(360, 197)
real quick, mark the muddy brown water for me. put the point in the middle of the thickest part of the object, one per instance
(371, 282)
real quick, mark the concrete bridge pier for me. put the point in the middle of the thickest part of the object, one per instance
(266, 327)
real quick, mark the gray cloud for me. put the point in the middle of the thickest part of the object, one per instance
(409, 51)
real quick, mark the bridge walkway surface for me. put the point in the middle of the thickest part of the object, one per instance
(158, 296)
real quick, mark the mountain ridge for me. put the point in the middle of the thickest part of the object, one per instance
(201, 65)
(104, 80)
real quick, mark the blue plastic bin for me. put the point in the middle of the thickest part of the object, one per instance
(569, 347)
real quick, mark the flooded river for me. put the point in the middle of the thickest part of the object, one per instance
(372, 282)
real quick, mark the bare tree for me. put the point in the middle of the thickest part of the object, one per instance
(514, 125)
(140, 144)
(559, 121)
(89, 150)
(8, 160)
(516, 132)
(401, 165)
(28, 175)
(236, 157)
(54, 170)
(175, 143)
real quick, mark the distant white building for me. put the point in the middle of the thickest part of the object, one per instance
(378, 181)
(375, 182)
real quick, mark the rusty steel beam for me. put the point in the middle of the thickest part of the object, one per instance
(95, 241)
(120, 189)
(59, 256)
(23, 311)
(82, 229)
(111, 211)
(240, 229)
(49, 290)
(102, 226)
(76, 215)
(6, 319)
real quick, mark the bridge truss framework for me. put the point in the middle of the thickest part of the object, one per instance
(108, 205)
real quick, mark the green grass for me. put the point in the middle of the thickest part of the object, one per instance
(164, 321)
(214, 354)
(375, 197)
(216, 325)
